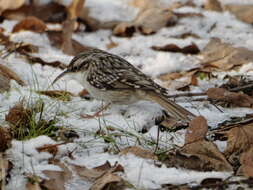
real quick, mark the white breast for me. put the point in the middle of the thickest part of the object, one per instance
(119, 97)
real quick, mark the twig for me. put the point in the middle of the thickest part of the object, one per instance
(189, 94)
(239, 88)
(50, 146)
(201, 99)
(3, 171)
(157, 140)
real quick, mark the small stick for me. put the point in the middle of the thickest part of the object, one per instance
(157, 140)
(238, 88)
(189, 94)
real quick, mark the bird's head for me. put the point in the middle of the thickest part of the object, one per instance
(78, 64)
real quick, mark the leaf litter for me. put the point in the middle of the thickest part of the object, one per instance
(159, 27)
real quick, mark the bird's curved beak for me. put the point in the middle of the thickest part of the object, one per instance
(60, 76)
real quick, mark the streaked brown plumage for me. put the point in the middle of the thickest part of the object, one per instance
(111, 78)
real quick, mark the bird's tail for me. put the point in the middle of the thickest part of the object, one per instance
(173, 109)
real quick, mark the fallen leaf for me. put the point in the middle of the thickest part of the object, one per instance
(9, 5)
(104, 167)
(57, 94)
(51, 149)
(74, 11)
(180, 81)
(186, 35)
(108, 179)
(94, 173)
(11, 75)
(197, 130)
(18, 115)
(51, 12)
(4, 83)
(170, 76)
(6, 167)
(148, 21)
(86, 173)
(240, 139)
(151, 20)
(30, 23)
(139, 152)
(233, 98)
(124, 30)
(57, 179)
(111, 45)
(32, 186)
(224, 56)
(213, 5)
(56, 40)
(208, 154)
(5, 139)
(200, 155)
(75, 8)
(143, 4)
(242, 12)
(246, 161)
(190, 49)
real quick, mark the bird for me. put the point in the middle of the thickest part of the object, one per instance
(113, 79)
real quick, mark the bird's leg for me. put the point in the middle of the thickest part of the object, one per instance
(97, 114)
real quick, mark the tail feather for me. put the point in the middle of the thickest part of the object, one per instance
(173, 109)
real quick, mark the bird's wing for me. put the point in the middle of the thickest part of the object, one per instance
(113, 72)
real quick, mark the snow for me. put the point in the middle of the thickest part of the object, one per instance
(129, 119)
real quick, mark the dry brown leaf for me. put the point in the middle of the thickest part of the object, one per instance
(210, 157)
(51, 149)
(5, 168)
(86, 173)
(51, 12)
(4, 83)
(170, 76)
(151, 20)
(200, 155)
(246, 161)
(95, 173)
(190, 49)
(11, 4)
(137, 151)
(57, 179)
(148, 21)
(75, 8)
(56, 39)
(74, 11)
(5, 139)
(143, 4)
(30, 23)
(8, 73)
(213, 5)
(111, 45)
(233, 98)
(224, 56)
(18, 115)
(107, 180)
(240, 139)
(57, 94)
(242, 12)
(180, 81)
(197, 130)
(186, 35)
(33, 186)
(124, 30)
